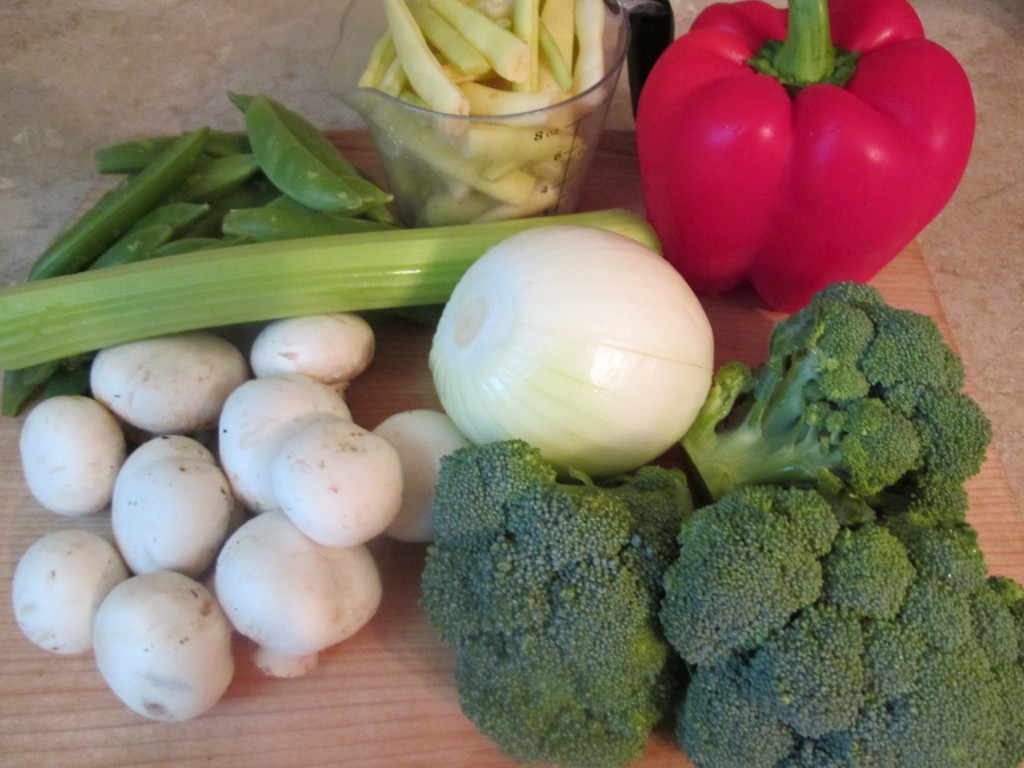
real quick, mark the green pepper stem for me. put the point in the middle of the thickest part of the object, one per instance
(807, 55)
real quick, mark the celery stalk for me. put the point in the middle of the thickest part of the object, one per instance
(55, 318)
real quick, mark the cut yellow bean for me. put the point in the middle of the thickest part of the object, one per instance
(560, 19)
(393, 79)
(485, 100)
(589, 67)
(525, 24)
(556, 65)
(507, 54)
(489, 143)
(422, 68)
(447, 40)
(381, 56)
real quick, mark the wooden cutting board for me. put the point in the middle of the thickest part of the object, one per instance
(385, 697)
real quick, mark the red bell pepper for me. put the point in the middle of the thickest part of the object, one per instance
(802, 146)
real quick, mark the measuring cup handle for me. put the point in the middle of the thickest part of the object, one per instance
(651, 29)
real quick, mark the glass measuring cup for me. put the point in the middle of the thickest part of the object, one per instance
(450, 169)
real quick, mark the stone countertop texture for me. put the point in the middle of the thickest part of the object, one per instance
(78, 76)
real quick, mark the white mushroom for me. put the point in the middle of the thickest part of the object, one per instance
(333, 349)
(169, 384)
(339, 483)
(421, 437)
(172, 507)
(256, 420)
(292, 596)
(71, 450)
(170, 447)
(163, 645)
(59, 584)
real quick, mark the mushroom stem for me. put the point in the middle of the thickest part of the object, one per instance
(277, 664)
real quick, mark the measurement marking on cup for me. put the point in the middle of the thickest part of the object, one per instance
(572, 157)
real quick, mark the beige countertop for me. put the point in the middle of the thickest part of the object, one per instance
(78, 76)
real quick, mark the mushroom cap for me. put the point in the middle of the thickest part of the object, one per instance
(58, 586)
(256, 420)
(167, 447)
(170, 513)
(71, 450)
(339, 483)
(289, 594)
(422, 437)
(333, 348)
(163, 646)
(169, 384)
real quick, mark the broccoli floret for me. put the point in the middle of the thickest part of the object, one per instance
(853, 578)
(855, 397)
(549, 592)
(728, 722)
(897, 651)
(745, 566)
(816, 670)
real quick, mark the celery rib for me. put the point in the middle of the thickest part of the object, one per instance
(59, 317)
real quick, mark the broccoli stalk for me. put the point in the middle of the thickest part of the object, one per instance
(549, 592)
(856, 398)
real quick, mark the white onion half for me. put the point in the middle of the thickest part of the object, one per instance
(582, 342)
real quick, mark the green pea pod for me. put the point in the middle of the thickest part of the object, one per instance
(255, 192)
(21, 384)
(115, 213)
(192, 244)
(224, 143)
(303, 163)
(129, 157)
(288, 223)
(71, 378)
(137, 245)
(213, 177)
(175, 215)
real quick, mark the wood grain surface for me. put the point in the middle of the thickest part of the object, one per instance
(385, 697)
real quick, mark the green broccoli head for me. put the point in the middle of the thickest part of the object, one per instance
(549, 593)
(855, 397)
(883, 644)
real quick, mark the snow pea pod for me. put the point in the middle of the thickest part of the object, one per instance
(21, 383)
(137, 245)
(290, 220)
(129, 157)
(69, 376)
(303, 163)
(175, 215)
(253, 193)
(115, 213)
(213, 177)
(193, 244)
